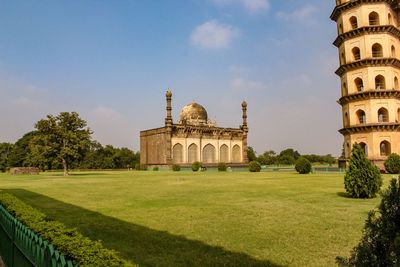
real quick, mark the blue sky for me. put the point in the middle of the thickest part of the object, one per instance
(113, 60)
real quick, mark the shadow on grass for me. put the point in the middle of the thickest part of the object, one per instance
(139, 244)
(343, 194)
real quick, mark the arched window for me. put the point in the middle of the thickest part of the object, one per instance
(393, 51)
(359, 84)
(340, 28)
(224, 154)
(236, 155)
(356, 53)
(373, 19)
(398, 115)
(383, 115)
(362, 118)
(396, 83)
(177, 154)
(364, 146)
(193, 153)
(377, 50)
(380, 83)
(343, 58)
(209, 154)
(353, 23)
(385, 148)
(389, 19)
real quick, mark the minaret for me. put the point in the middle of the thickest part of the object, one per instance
(368, 38)
(168, 126)
(245, 131)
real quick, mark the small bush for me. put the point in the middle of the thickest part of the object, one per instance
(222, 167)
(196, 166)
(380, 244)
(362, 179)
(176, 167)
(83, 251)
(392, 164)
(155, 169)
(254, 166)
(303, 166)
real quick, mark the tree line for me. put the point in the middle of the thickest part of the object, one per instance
(64, 142)
(287, 156)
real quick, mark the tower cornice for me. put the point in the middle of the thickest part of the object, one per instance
(373, 94)
(371, 127)
(390, 29)
(354, 3)
(368, 62)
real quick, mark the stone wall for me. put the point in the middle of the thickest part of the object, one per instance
(24, 171)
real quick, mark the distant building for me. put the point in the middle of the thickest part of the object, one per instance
(194, 138)
(369, 45)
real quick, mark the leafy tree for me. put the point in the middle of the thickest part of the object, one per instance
(5, 151)
(20, 153)
(290, 152)
(362, 179)
(251, 154)
(254, 166)
(61, 139)
(303, 166)
(286, 160)
(268, 158)
(380, 244)
(392, 164)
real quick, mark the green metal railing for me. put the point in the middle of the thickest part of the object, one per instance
(20, 247)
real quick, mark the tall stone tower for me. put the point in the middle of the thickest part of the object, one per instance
(369, 51)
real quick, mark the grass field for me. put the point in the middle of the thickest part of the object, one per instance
(204, 219)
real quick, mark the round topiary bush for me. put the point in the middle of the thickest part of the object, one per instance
(222, 167)
(392, 164)
(196, 166)
(254, 166)
(176, 167)
(303, 166)
(155, 169)
(362, 179)
(379, 245)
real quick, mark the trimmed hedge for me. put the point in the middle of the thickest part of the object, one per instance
(254, 166)
(69, 242)
(176, 167)
(392, 164)
(222, 167)
(303, 166)
(196, 166)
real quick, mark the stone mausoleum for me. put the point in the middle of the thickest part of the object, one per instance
(194, 138)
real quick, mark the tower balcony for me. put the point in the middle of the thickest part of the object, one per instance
(357, 32)
(371, 127)
(370, 94)
(344, 5)
(368, 62)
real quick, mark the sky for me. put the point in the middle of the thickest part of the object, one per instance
(113, 60)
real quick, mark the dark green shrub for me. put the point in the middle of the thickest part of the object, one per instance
(196, 166)
(156, 169)
(380, 244)
(362, 179)
(176, 167)
(392, 164)
(303, 166)
(222, 167)
(254, 166)
(72, 244)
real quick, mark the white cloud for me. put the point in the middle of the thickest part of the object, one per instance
(303, 15)
(247, 85)
(253, 6)
(213, 35)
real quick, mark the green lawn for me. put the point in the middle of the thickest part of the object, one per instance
(204, 219)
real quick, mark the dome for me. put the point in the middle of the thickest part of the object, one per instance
(194, 114)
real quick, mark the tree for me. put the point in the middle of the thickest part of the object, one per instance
(380, 244)
(392, 164)
(288, 156)
(251, 154)
(5, 151)
(362, 179)
(303, 166)
(61, 139)
(268, 158)
(20, 153)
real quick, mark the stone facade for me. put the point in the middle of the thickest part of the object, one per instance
(194, 138)
(369, 46)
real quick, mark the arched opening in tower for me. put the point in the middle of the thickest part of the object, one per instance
(383, 115)
(380, 83)
(359, 84)
(356, 53)
(377, 50)
(362, 118)
(385, 148)
(364, 146)
(373, 19)
(353, 23)
(393, 51)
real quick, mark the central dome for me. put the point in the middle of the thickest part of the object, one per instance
(194, 114)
